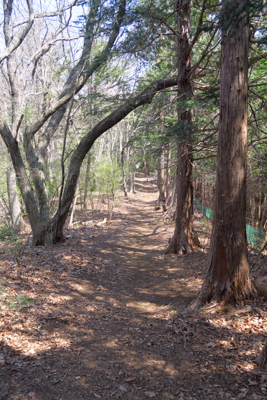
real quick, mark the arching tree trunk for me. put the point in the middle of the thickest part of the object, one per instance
(43, 233)
(182, 239)
(228, 277)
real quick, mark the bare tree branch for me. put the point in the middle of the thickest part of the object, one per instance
(44, 15)
(17, 42)
(71, 85)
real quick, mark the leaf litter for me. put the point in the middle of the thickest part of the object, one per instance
(103, 317)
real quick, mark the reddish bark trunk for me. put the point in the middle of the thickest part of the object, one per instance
(228, 277)
(182, 239)
(161, 186)
(168, 176)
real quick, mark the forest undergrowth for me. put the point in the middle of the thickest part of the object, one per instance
(101, 315)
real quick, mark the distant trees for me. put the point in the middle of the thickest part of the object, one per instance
(60, 66)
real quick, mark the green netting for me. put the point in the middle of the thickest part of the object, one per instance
(205, 210)
(255, 236)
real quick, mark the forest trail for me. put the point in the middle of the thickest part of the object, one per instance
(106, 321)
(136, 246)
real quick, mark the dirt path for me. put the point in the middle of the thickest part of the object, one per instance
(106, 322)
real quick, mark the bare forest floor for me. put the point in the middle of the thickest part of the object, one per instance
(106, 316)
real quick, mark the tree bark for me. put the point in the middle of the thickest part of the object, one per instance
(37, 203)
(15, 42)
(86, 183)
(132, 184)
(183, 236)
(124, 184)
(13, 199)
(46, 231)
(182, 239)
(168, 176)
(261, 360)
(161, 185)
(228, 278)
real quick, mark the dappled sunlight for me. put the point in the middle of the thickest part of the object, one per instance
(103, 317)
(147, 307)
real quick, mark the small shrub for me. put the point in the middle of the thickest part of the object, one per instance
(13, 302)
(19, 302)
(6, 231)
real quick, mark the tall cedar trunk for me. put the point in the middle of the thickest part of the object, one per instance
(181, 242)
(228, 278)
(263, 221)
(168, 176)
(161, 186)
(259, 201)
(182, 239)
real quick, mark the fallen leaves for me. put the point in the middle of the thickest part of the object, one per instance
(150, 394)
(85, 336)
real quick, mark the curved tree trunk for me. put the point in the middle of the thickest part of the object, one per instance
(48, 231)
(228, 277)
(43, 230)
(36, 200)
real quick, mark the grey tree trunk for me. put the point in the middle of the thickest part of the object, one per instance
(123, 173)
(86, 184)
(13, 199)
(74, 206)
(132, 184)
